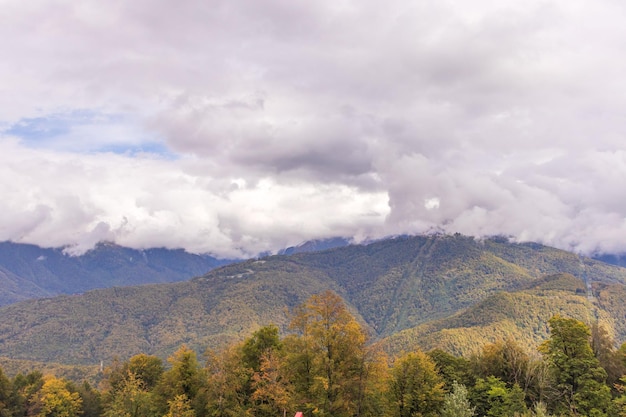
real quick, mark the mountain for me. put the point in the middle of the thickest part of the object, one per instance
(316, 245)
(522, 315)
(390, 286)
(29, 271)
(614, 259)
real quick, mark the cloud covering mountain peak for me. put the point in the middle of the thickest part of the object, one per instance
(242, 127)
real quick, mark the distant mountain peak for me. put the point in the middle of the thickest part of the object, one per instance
(36, 272)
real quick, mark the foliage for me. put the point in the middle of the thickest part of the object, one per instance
(129, 399)
(336, 367)
(519, 315)
(492, 397)
(453, 369)
(456, 403)
(179, 407)
(416, 389)
(184, 378)
(55, 400)
(478, 291)
(579, 379)
(28, 271)
(327, 367)
(271, 391)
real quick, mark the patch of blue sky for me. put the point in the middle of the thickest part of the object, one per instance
(148, 148)
(39, 129)
(87, 131)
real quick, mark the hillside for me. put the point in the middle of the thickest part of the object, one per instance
(29, 271)
(521, 315)
(390, 286)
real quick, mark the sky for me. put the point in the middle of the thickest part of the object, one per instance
(239, 127)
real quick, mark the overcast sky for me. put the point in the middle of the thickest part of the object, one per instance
(235, 127)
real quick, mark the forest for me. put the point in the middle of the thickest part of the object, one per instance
(326, 366)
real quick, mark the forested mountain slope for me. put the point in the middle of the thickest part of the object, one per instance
(29, 271)
(390, 286)
(521, 315)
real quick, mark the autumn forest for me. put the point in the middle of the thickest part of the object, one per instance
(327, 366)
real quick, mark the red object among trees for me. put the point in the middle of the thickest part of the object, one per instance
(298, 414)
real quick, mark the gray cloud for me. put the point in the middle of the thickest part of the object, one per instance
(285, 121)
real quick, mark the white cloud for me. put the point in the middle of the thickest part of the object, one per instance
(283, 121)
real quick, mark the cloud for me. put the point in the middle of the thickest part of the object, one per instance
(244, 126)
(55, 199)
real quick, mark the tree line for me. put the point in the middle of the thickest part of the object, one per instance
(327, 367)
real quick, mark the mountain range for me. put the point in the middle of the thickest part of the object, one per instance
(453, 292)
(29, 271)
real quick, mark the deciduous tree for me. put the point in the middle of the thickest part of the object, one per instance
(416, 389)
(332, 367)
(456, 402)
(55, 400)
(579, 378)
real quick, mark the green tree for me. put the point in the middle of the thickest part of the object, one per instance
(506, 360)
(185, 377)
(492, 397)
(91, 399)
(129, 399)
(456, 403)
(261, 341)
(452, 368)
(416, 389)
(147, 368)
(24, 389)
(620, 400)
(6, 395)
(579, 378)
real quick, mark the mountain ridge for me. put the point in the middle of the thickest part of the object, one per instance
(390, 286)
(29, 271)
